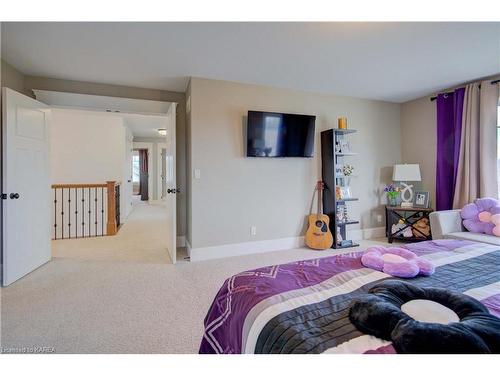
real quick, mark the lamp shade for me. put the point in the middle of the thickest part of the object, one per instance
(406, 172)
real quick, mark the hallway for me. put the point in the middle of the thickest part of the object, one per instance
(140, 240)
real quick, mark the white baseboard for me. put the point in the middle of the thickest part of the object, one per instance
(366, 234)
(181, 241)
(245, 248)
(255, 247)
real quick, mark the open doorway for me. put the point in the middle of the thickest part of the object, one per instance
(136, 174)
(90, 162)
(140, 174)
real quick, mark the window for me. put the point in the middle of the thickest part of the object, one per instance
(136, 169)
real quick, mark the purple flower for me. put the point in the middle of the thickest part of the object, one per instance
(392, 190)
(390, 187)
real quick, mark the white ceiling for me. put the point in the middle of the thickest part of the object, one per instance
(387, 61)
(144, 126)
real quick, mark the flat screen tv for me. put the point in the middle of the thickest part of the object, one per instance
(280, 135)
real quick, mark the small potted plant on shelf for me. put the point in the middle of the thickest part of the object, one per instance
(347, 169)
(392, 194)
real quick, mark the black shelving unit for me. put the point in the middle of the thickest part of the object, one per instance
(329, 161)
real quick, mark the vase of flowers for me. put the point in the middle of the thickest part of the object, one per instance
(347, 169)
(392, 194)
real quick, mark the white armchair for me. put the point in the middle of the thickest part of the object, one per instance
(448, 224)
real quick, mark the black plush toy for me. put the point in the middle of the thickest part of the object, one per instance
(379, 314)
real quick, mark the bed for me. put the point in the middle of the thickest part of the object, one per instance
(302, 307)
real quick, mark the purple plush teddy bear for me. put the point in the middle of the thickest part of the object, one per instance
(479, 217)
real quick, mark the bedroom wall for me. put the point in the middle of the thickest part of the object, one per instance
(235, 192)
(91, 88)
(11, 77)
(418, 141)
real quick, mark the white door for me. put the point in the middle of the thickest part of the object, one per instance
(170, 198)
(26, 183)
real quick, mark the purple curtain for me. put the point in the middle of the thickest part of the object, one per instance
(449, 129)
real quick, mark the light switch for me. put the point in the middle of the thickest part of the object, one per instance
(197, 174)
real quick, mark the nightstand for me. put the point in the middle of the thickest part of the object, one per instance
(410, 216)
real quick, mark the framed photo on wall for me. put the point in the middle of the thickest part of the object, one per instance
(421, 199)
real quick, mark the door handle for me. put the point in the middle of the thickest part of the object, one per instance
(173, 191)
(14, 196)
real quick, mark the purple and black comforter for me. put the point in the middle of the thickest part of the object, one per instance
(302, 307)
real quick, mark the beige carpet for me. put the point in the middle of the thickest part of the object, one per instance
(121, 294)
(141, 239)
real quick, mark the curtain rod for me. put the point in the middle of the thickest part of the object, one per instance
(451, 92)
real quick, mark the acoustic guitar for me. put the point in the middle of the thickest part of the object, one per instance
(318, 235)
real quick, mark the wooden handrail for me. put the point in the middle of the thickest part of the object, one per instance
(111, 226)
(77, 186)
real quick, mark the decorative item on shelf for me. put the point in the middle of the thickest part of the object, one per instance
(342, 121)
(345, 192)
(338, 192)
(339, 236)
(347, 170)
(403, 173)
(421, 199)
(406, 233)
(337, 147)
(344, 146)
(346, 215)
(392, 194)
(340, 214)
(345, 243)
(339, 170)
(422, 228)
(396, 227)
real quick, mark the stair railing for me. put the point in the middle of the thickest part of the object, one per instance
(85, 210)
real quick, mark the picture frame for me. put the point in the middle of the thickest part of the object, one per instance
(421, 199)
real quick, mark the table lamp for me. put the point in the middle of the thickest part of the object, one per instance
(403, 173)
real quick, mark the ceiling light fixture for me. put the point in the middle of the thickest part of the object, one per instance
(162, 132)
